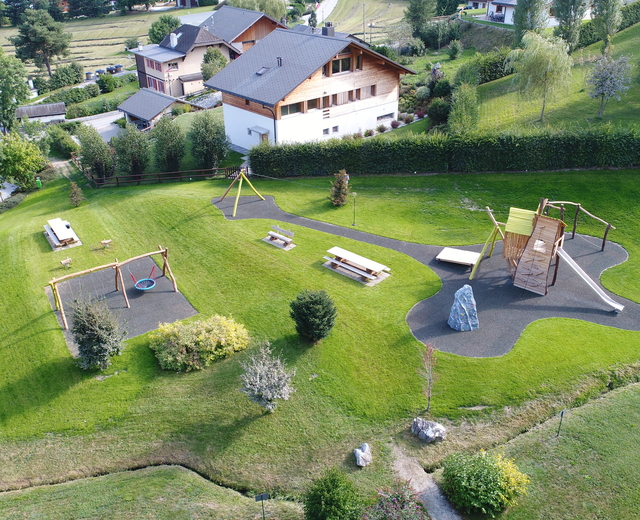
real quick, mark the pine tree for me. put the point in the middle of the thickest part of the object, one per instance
(75, 195)
(314, 313)
(340, 189)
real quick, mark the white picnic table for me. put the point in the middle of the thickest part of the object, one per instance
(342, 255)
(63, 233)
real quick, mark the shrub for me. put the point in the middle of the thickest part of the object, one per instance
(381, 129)
(67, 75)
(41, 84)
(482, 482)
(97, 332)
(68, 96)
(455, 49)
(122, 122)
(131, 42)
(194, 346)
(203, 3)
(385, 50)
(420, 114)
(395, 124)
(75, 111)
(107, 83)
(265, 379)
(61, 141)
(409, 119)
(358, 135)
(92, 90)
(209, 142)
(70, 126)
(397, 503)
(442, 89)
(423, 94)
(438, 111)
(339, 193)
(332, 497)
(75, 194)
(178, 110)
(314, 314)
(368, 133)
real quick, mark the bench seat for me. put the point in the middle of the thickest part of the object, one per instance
(278, 236)
(359, 272)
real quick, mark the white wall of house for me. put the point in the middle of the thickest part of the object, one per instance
(305, 127)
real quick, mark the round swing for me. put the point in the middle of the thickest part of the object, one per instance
(145, 284)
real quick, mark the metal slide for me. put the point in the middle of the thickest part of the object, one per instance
(563, 254)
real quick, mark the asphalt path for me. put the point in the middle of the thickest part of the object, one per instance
(503, 310)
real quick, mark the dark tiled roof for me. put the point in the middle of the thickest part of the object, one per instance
(147, 104)
(47, 109)
(318, 30)
(302, 54)
(230, 22)
(189, 36)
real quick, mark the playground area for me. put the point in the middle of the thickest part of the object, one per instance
(504, 310)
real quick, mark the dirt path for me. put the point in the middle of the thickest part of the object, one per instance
(408, 468)
(63, 166)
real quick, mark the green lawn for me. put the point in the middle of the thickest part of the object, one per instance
(502, 108)
(359, 384)
(166, 492)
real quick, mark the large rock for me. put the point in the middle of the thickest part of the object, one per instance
(464, 315)
(363, 455)
(428, 431)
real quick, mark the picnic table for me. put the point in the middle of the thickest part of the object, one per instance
(62, 230)
(359, 264)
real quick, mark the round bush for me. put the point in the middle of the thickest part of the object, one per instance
(314, 313)
(395, 124)
(423, 94)
(397, 503)
(194, 346)
(438, 111)
(332, 497)
(381, 129)
(442, 89)
(368, 133)
(482, 482)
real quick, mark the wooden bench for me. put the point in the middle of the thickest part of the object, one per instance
(52, 236)
(284, 235)
(363, 274)
(66, 263)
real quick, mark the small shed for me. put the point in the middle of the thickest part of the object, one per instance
(45, 113)
(147, 106)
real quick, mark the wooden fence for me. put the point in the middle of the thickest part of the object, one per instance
(155, 178)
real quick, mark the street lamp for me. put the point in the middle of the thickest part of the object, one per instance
(354, 208)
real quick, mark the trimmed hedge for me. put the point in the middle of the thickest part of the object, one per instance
(536, 149)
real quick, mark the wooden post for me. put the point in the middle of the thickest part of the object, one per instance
(604, 239)
(575, 221)
(229, 188)
(173, 279)
(164, 260)
(117, 268)
(124, 290)
(57, 298)
(562, 212)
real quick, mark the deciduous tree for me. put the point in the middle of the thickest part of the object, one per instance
(133, 151)
(428, 371)
(569, 14)
(169, 144)
(13, 89)
(464, 109)
(209, 142)
(164, 25)
(529, 16)
(542, 67)
(607, 16)
(609, 78)
(97, 155)
(20, 160)
(212, 63)
(40, 39)
(266, 379)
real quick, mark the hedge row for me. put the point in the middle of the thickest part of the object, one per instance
(532, 150)
(589, 33)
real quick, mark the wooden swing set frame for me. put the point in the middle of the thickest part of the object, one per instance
(119, 281)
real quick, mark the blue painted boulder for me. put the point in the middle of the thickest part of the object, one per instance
(464, 315)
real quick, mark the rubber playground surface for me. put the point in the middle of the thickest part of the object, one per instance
(503, 310)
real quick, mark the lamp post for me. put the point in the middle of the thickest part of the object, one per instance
(354, 208)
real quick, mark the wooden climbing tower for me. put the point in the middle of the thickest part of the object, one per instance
(532, 271)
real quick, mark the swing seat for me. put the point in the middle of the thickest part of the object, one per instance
(145, 284)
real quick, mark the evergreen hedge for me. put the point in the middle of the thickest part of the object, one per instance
(536, 149)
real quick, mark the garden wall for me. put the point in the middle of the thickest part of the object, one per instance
(605, 146)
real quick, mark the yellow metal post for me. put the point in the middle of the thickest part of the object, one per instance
(235, 204)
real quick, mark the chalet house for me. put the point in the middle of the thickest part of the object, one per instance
(503, 10)
(173, 66)
(297, 86)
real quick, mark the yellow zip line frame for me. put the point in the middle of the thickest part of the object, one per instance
(240, 177)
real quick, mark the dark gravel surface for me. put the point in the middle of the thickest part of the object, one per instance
(503, 310)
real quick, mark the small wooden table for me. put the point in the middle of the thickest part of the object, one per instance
(357, 261)
(64, 234)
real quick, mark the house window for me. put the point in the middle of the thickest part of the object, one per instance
(498, 8)
(334, 99)
(172, 66)
(374, 90)
(312, 104)
(287, 110)
(342, 65)
(334, 129)
(157, 65)
(325, 131)
(325, 69)
(247, 102)
(359, 62)
(386, 116)
(326, 101)
(358, 94)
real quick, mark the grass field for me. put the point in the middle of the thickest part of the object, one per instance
(502, 108)
(99, 43)
(58, 422)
